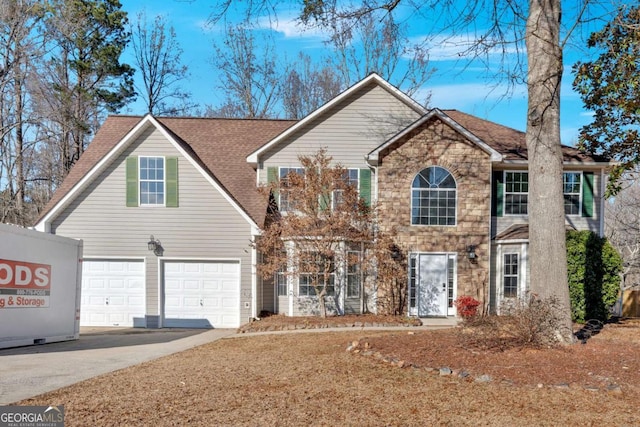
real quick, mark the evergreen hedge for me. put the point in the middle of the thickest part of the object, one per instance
(594, 268)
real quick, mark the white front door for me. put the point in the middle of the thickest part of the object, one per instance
(113, 293)
(201, 294)
(432, 292)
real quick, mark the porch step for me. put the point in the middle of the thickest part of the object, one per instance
(440, 322)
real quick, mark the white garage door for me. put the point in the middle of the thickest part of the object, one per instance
(112, 293)
(201, 295)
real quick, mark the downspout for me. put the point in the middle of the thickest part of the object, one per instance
(374, 201)
(254, 280)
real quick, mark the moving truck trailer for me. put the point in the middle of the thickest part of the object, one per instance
(40, 282)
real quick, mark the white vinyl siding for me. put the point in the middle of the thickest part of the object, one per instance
(205, 225)
(351, 130)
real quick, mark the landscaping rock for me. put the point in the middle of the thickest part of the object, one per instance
(483, 379)
(445, 371)
(614, 388)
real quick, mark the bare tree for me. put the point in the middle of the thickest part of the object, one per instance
(249, 81)
(374, 42)
(324, 216)
(307, 87)
(20, 43)
(622, 223)
(158, 58)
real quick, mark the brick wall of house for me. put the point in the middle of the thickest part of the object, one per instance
(437, 144)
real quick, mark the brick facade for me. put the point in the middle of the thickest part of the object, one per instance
(436, 144)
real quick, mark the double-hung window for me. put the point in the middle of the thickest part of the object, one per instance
(286, 204)
(510, 275)
(281, 283)
(350, 178)
(571, 183)
(516, 194)
(313, 265)
(152, 185)
(353, 274)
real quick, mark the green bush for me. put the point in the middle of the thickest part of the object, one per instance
(594, 268)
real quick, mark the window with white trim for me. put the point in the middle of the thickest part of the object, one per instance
(281, 283)
(285, 203)
(510, 275)
(152, 181)
(516, 193)
(433, 197)
(353, 274)
(350, 177)
(571, 183)
(307, 289)
(314, 274)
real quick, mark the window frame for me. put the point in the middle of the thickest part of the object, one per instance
(348, 180)
(308, 286)
(353, 275)
(282, 191)
(438, 207)
(514, 282)
(281, 280)
(580, 184)
(515, 193)
(141, 181)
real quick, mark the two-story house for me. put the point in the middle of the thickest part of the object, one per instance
(168, 207)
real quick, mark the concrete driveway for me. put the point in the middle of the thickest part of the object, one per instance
(29, 371)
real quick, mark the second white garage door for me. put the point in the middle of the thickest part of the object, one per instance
(201, 294)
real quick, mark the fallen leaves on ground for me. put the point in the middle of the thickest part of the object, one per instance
(309, 379)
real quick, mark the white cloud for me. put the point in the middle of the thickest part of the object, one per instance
(289, 26)
(453, 48)
(465, 95)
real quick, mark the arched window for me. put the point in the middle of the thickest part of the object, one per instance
(433, 197)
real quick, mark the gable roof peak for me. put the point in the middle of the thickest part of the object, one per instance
(371, 78)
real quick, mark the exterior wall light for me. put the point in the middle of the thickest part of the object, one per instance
(154, 245)
(471, 252)
(396, 254)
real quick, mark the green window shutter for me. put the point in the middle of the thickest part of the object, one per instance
(132, 181)
(324, 199)
(171, 164)
(272, 178)
(365, 185)
(497, 204)
(587, 194)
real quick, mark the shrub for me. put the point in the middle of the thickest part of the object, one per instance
(467, 306)
(594, 268)
(522, 325)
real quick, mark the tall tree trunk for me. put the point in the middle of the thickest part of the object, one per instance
(546, 202)
(20, 215)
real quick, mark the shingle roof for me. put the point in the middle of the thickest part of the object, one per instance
(220, 146)
(510, 142)
(521, 232)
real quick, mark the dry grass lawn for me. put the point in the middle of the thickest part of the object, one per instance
(297, 379)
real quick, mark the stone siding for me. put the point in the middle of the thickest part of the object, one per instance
(437, 144)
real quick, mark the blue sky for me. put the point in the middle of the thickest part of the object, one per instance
(457, 84)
